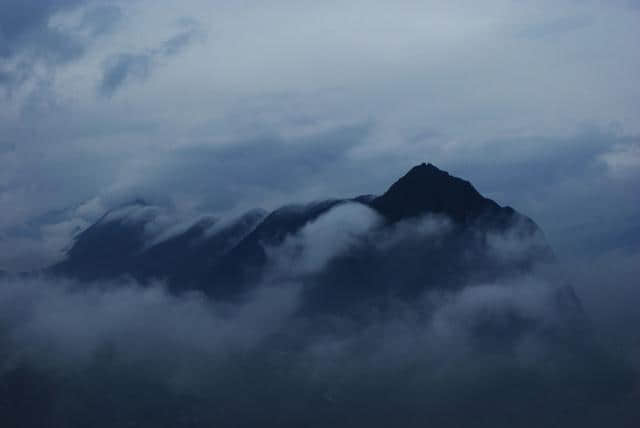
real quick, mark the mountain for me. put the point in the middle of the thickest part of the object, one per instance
(106, 248)
(126, 242)
(427, 189)
(438, 232)
(475, 239)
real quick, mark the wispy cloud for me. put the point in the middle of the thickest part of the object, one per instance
(129, 67)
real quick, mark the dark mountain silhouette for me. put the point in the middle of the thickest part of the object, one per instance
(118, 245)
(107, 247)
(427, 189)
(226, 259)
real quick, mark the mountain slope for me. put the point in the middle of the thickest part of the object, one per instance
(225, 259)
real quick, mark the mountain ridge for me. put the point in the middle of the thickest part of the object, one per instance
(224, 266)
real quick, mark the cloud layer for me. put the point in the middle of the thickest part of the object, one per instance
(515, 351)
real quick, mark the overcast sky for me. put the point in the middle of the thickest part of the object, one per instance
(224, 106)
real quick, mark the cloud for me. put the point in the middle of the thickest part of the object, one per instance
(516, 342)
(61, 325)
(553, 180)
(426, 359)
(557, 27)
(26, 24)
(101, 19)
(123, 67)
(194, 181)
(127, 67)
(38, 36)
(333, 233)
(429, 227)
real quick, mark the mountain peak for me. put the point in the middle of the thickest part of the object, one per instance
(425, 168)
(427, 189)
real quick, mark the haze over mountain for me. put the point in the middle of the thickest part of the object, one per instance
(227, 258)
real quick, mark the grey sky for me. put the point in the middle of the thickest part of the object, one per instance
(222, 106)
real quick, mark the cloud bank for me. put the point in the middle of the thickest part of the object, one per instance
(518, 350)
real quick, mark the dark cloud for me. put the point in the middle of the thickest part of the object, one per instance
(179, 42)
(26, 28)
(25, 24)
(124, 67)
(29, 39)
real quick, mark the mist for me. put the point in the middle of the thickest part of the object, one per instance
(522, 350)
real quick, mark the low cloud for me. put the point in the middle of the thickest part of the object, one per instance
(61, 325)
(332, 234)
(502, 350)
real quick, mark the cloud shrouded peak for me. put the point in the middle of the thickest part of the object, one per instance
(431, 301)
(426, 214)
